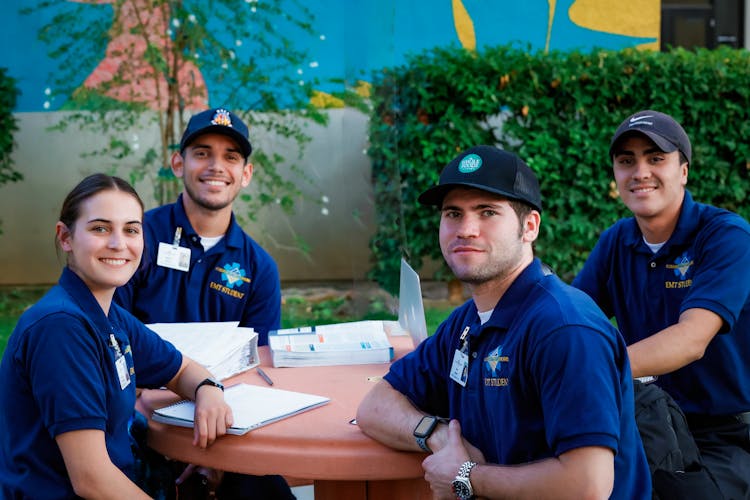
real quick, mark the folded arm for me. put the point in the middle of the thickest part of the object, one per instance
(675, 346)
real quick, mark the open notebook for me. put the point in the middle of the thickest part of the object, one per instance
(252, 406)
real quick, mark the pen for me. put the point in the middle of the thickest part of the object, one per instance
(264, 376)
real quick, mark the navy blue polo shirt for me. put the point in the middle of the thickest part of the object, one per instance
(58, 375)
(705, 264)
(209, 290)
(547, 373)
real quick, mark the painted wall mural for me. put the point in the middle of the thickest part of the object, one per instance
(354, 38)
(127, 48)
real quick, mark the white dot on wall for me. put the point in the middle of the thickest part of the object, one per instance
(301, 82)
(238, 43)
(322, 37)
(314, 64)
(253, 9)
(299, 71)
(192, 18)
(46, 104)
(47, 91)
(324, 211)
(176, 23)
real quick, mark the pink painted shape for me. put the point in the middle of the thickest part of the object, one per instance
(125, 56)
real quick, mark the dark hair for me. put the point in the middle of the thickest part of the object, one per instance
(88, 187)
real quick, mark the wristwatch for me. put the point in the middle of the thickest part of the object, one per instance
(209, 381)
(462, 485)
(424, 429)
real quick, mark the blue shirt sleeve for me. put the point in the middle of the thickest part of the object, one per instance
(64, 365)
(717, 286)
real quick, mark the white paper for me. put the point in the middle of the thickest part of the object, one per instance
(252, 407)
(354, 342)
(224, 348)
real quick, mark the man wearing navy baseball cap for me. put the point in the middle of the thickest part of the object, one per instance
(676, 276)
(199, 264)
(525, 390)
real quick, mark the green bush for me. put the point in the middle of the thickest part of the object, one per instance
(8, 94)
(558, 112)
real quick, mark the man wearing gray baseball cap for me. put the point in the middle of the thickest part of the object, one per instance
(524, 391)
(676, 276)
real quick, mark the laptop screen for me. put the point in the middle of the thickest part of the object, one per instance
(410, 306)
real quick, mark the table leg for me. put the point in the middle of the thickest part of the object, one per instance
(401, 489)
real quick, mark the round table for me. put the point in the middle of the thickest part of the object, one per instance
(322, 445)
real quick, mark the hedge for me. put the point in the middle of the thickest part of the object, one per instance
(558, 112)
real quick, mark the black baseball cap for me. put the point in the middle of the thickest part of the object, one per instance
(217, 121)
(490, 169)
(661, 128)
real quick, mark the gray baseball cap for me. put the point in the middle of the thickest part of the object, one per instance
(661, 128)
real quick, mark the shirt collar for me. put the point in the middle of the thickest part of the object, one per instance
(233, 237)
(686, 224)
(511, 303)
(82, 296)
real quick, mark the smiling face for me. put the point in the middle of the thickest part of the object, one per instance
(481, 237)
(213, 171)
(105, 243)
(651, 182)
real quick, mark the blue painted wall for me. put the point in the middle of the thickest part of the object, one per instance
(353, 38)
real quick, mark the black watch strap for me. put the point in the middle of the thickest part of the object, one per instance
(209, 381)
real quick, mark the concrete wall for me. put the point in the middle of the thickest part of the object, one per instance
(337, 231)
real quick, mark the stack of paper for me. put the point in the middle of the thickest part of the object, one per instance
(352, 343)
(224, 348)
(252, 407)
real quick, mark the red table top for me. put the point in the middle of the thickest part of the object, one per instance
(320, 444)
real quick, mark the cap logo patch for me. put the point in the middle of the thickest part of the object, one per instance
(222, 118)
(470, 163)
(639, 120)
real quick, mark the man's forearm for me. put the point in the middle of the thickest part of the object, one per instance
(388, 416)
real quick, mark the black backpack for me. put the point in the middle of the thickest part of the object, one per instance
(677, 471)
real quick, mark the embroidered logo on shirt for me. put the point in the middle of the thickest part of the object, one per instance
(680, 267)
(233, 277)
(493, 368)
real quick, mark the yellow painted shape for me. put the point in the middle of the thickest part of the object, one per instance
(464, 26)
(324, 100)
(363, 88)
(641, 18)
(550, 21)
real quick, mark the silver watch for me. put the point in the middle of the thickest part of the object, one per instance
(462, 485)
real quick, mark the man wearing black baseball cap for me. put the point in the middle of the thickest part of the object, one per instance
(199, 264)
(525, 390)
(676, 276)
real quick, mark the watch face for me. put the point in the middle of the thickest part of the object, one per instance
(462, 490)
(425, 426)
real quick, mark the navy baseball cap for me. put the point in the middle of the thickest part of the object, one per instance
(217, 121)
(666, 133)
(490, 169)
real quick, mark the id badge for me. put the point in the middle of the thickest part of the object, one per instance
(122, 371)
(173, 257)
(460, 368)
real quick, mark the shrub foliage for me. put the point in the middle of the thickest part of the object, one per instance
(8, 126)
(558, 112)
